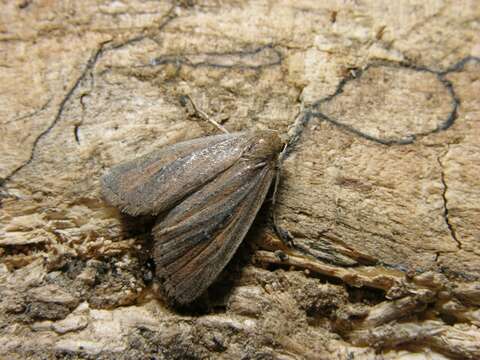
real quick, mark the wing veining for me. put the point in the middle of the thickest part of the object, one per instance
(156, 181)
(204, 243)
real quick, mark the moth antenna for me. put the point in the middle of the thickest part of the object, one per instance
(295, 131)
(205, 117)
(282, 233)
(293, 136)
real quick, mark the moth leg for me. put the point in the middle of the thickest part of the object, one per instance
(260, 165)
(282, 233)
(205, 117)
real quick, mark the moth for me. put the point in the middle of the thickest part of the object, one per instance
(206, 193)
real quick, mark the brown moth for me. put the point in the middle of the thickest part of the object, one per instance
(206, 193)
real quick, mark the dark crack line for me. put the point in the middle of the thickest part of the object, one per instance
(90, 63)
(313, 111)
(452, 116)
(446, 214)
(459, 66)
(409, 139)
(169, 16)
(88, 67)
(76, 127)
(76, 130)
(180, 60)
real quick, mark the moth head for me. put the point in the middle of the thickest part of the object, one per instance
(263, 145)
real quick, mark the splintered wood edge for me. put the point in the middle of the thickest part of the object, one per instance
(358, 277)
(404, 292)
(460, 340)
(381, 326)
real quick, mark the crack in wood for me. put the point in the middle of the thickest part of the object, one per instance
(90, 63)
(408, 139)
(446, 214)
(88, 67)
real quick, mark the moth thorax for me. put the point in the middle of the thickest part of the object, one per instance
(264, 145)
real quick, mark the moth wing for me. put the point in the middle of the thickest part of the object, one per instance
(200, 235)
(156, 181)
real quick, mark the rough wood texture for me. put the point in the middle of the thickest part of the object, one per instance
(381, 192)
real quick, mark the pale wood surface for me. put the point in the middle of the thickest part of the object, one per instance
(381, 192)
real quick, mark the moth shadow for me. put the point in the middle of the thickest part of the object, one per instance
(139, 228)
(136, 226)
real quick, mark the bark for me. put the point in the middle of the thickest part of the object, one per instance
(380, 191)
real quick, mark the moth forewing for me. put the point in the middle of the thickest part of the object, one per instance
(211, 193)
(154, 182)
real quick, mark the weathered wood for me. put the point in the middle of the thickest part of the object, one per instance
(380, 192)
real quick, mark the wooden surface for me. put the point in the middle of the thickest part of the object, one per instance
(381, 191)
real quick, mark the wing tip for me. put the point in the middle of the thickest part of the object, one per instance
(169, 291)
(107, 182)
